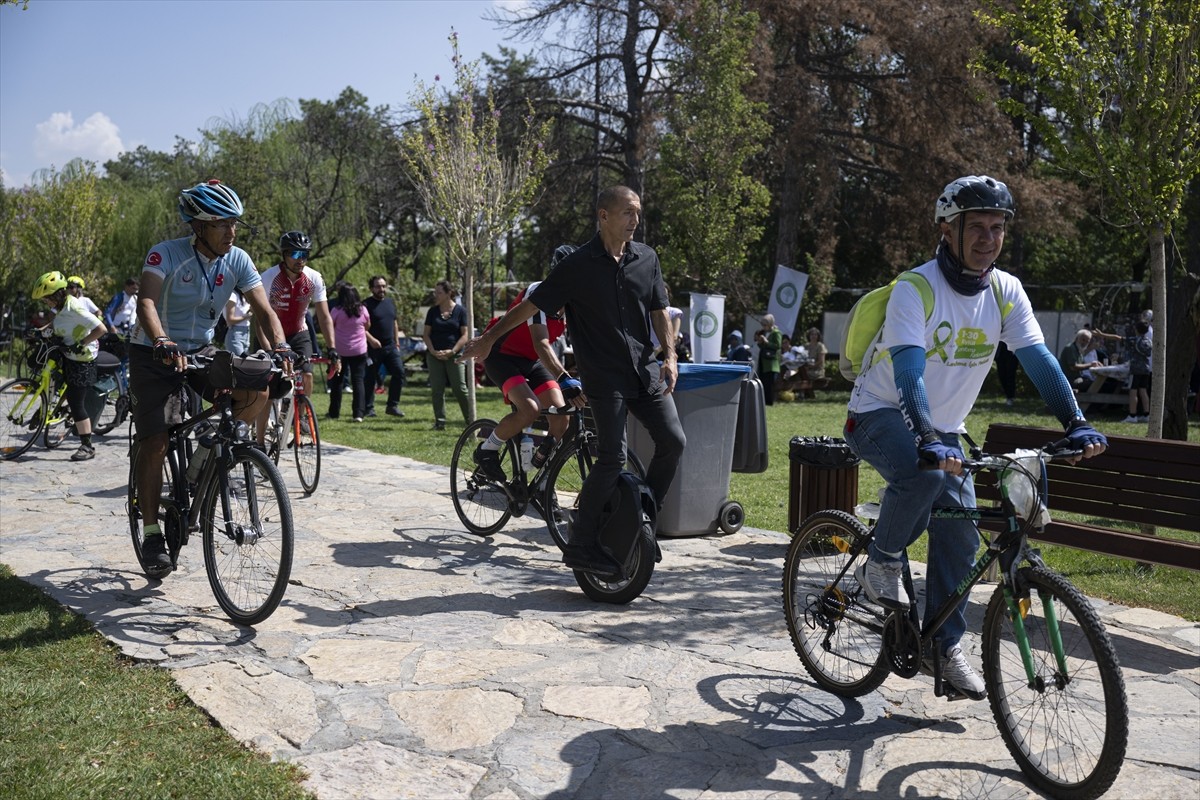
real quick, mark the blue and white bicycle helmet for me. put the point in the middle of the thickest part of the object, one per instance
(210, 201)
(561, 252)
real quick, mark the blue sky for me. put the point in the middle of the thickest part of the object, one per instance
(93, 78)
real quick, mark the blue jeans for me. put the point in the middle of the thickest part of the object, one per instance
(882, 440)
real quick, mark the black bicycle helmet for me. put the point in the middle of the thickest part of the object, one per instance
(561, 252)
(973, 193)
(210, 201)
(294, 240)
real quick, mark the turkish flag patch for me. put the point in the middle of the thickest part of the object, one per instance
(220, 279)
(154, 259)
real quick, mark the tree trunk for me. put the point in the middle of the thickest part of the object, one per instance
(1181, 356)
(1158, 292)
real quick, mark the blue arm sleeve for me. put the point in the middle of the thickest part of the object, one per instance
(1044, 370)
(908, 362)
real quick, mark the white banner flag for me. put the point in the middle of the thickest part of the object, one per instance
(707, 325)
(786, 295)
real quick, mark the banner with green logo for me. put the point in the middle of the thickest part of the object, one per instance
(707, 325)
(786, 294)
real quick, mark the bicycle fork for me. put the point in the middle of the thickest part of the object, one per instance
(1017, 609)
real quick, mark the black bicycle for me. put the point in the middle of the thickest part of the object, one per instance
(485, 505)
(217, 482)
(1050, 670)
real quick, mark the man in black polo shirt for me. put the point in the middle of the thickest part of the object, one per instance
(612, 289)
(386, 329)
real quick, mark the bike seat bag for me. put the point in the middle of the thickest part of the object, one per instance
(630, 514)
(232, 372)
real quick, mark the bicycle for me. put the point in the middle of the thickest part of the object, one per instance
(35, 407)
(217, 482)
(485, 505)
(1050, 670)
(116, 399)
(293, 412)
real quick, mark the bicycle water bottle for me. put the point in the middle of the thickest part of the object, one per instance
(526, 452)
(543, 452)
(201, 454)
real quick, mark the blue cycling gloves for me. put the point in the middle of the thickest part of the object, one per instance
(571, 387)
(933, 450)
(1080, 434)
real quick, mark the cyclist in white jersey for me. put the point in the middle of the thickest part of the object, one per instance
(184, 286)
(909, 407)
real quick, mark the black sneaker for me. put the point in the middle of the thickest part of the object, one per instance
(155, 556)
(487, 463)
(394, 412)
(370, 413)
(85, 452)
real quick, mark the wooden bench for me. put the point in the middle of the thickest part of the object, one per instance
(1140, 481)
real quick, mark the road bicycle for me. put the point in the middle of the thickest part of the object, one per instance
(114, 380)
(218, 483)
(1050, 670)
(293, 426)
(37, 406)
(485, 505)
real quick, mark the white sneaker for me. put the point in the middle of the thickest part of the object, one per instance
(959, 674)
(1145, 418)
(1131, 419)
(883, 582)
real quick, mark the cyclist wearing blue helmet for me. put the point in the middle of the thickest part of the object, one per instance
(184, 286)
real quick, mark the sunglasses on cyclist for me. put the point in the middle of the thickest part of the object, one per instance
(298, 255)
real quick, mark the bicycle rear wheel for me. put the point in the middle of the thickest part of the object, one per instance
(248, 554)
(59, 423)
(22, 416)
(307, 444)
(116, 406)
(835, 631)
(274, 432)
(481, 503)
(1067, 729)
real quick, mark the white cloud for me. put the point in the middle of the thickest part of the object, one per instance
(59, 139)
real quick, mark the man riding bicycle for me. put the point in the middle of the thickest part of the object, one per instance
(522, 363)
(184, 286)
(919, 381)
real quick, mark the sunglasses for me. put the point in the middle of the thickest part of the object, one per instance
(298, 255)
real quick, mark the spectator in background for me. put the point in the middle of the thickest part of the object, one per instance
(770, 341)
(446, 332)
(385, 329)
(75, 287)
(237, 321)
(738, 349)
(352, 323)
(813, 370)
(1074, 354)
(120, 315)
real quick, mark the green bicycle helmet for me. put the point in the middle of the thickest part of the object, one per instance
(48, 284)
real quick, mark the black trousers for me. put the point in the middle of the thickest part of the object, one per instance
(393, 362)
(610, 412)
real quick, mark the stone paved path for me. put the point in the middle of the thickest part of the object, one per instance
(410, 659)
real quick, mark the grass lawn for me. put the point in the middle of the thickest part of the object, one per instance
(765, 496)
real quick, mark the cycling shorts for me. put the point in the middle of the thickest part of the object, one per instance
(507, 371)
(301, 344)
(154, 390)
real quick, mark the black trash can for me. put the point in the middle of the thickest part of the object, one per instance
(823, 475)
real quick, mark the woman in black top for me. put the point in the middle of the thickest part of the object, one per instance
(446, 331)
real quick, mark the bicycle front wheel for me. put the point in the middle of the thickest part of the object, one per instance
(306, 444)
(1068, 725)
(567, 471)
(247, 551)
(480, 502)
(835, 630)
(116, 406)
(22, 416)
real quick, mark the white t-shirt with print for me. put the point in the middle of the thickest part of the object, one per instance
(959, 340)
(73, 323)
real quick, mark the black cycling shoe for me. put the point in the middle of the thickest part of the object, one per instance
(155, 556)
(487, 463)
(593, 559)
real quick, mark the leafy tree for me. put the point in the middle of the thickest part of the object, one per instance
(470, 190)
(59, 223)
(716, 209)
(1121, 90)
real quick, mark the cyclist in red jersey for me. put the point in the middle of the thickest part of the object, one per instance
(292, 288)
(522, 363)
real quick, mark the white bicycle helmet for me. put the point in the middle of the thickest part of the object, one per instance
(973, 193)
(210, 201)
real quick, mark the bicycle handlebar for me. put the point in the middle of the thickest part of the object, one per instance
(1061, 450)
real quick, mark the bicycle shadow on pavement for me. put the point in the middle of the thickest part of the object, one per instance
(784, 737)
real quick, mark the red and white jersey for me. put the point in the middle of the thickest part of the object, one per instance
(519, 341)
(291, 299)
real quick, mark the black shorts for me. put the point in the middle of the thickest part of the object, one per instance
(154, 390)
(301, 344)
(79, 373)
(507, 371)
(1139, 382)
